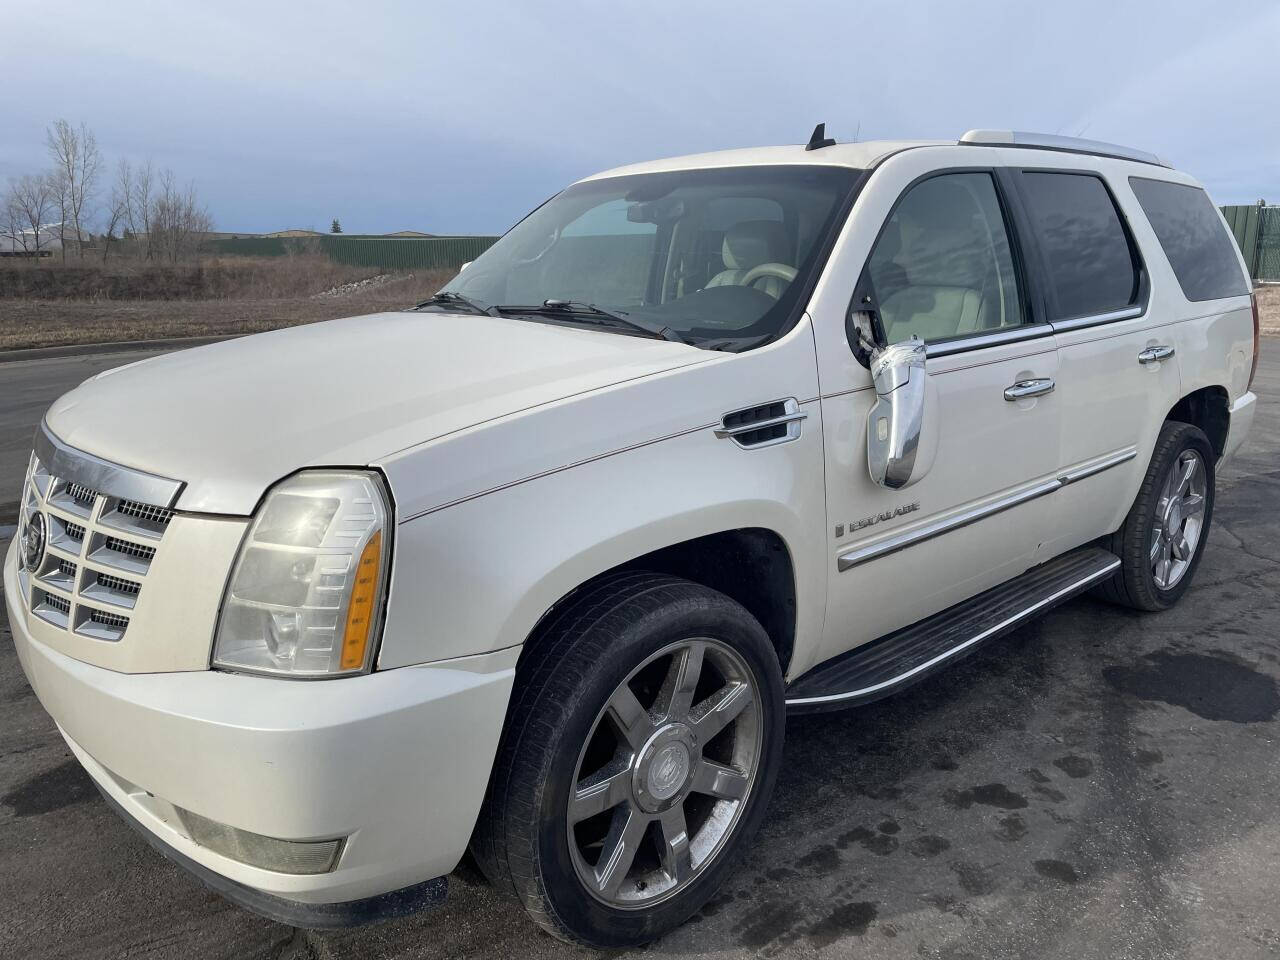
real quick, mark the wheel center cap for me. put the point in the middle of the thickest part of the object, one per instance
(663, 768)
(668, 770)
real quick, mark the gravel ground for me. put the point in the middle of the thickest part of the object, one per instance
(1100, 784)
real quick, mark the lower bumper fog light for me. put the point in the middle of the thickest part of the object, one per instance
(268, 853)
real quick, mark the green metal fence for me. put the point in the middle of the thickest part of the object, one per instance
(392, 253)
(1257, 231)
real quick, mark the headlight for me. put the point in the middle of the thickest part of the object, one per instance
(306, 593)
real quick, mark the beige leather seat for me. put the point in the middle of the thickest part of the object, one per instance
(747, 245)
(931, 268)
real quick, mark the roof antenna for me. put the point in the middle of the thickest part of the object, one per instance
(819, 138)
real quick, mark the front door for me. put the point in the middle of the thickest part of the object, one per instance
(945, 267)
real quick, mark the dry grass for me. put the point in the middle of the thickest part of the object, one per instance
(226, 278)
(253, 297)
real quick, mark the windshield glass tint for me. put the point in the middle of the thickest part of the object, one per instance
(721, 257)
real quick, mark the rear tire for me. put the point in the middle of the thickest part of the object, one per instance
(1163, 537)
(637, 760)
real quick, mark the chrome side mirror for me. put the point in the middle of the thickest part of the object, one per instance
(896, 419)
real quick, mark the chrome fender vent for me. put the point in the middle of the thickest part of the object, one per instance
(764, 425)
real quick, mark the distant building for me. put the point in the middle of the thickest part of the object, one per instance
(23, 243)
(225, 235)
(296, 233)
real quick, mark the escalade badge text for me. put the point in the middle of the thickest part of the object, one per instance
(856, 525)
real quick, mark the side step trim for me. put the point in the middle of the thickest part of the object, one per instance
(872, 691)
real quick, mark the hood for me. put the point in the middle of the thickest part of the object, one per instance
(231, 418)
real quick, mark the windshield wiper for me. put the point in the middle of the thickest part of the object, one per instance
(577, 309)
(449, 298)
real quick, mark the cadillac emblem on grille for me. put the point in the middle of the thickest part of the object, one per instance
(33, 542)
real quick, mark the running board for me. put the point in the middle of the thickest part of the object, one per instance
(897, 660)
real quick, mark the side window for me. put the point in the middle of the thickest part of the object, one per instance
(1091, 264)
(942, 266)
(1201, 252)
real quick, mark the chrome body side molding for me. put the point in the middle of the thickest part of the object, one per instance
(909, 538)
(1084, 470)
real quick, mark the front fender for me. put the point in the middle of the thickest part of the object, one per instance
(478, 575)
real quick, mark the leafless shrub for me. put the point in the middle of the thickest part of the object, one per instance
(135, 185)
(179, 222)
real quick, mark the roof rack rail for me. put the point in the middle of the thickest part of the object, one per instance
(1050, 141)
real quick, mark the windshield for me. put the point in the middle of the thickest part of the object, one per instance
(719, 258)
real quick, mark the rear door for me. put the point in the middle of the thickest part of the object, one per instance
(1117, 378)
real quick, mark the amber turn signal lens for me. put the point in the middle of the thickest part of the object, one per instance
(360, 612)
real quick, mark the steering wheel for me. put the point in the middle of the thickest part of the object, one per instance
(779, 271)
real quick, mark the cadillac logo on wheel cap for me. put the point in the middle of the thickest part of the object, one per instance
(32, 545)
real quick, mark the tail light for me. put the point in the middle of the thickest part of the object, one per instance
(1257, 338)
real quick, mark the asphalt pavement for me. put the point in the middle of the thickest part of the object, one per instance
(1099, 784)
(27, 388)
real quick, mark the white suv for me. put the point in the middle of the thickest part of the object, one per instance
(541, 566)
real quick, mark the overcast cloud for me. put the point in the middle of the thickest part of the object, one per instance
(459, 117)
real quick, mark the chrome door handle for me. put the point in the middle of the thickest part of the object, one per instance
(1029, 388)
(1154, 354)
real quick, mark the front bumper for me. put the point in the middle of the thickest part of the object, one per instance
(395, 762)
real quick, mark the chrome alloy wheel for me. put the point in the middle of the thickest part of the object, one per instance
(1179, 520)
(665, 773)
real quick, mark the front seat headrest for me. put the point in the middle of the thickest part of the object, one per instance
(753, 242)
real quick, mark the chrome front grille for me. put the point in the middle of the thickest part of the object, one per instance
(145, 512)
(99, 547)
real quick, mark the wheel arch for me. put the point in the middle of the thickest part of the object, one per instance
(752, 565)
(1208, 408)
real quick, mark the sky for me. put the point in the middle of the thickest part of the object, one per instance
(457, 118)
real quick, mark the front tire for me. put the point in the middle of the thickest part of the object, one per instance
(1162, 539)
(639, 754)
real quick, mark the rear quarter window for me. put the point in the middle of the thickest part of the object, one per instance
(1201, 252)
(1091, 263)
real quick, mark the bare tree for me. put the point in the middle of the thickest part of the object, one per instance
(28, 204)
(116, 213)
(135, 186)
(60, 201)
(77, 163)
(178, 222)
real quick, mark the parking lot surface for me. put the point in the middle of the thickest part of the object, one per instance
(1099, 784)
